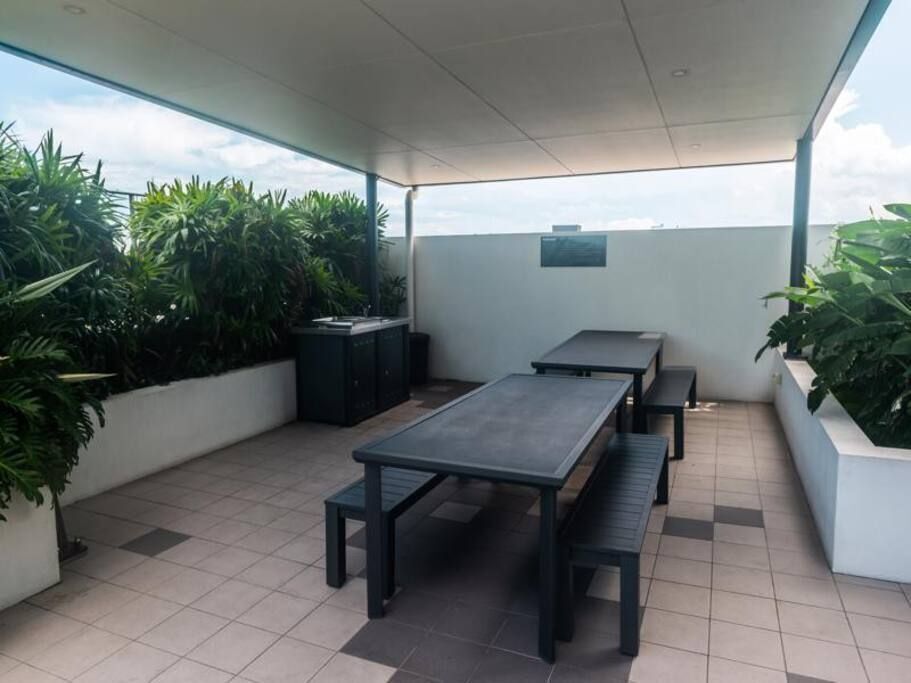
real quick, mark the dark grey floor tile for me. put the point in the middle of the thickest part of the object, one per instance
(741, 516)
(445, 659)
(384, 641)
(471, 622)
(797, 678)
(519, 634)
(407, 677)
(415, 608)
(498, 666)
(564, 673)
(689, 528)
(595, 651)
(154, 542)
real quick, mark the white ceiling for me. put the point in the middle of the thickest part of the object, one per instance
(437, 91)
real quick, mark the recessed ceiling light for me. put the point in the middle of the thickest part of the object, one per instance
(679, 73)
(695, 145)
(74, 9)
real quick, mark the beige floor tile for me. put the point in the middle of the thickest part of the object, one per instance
(675, 597)
(828, 661)
(693, 482)
(744, 535)
(353, 595)
(685, 548)
(230, 561)
(287, 661)
(329, 627)
(309, 584)
(343, 667)
(70, 587)
(681, 631)
(782, 520)
(747, 486)
(875, 633)
(7, 663)
(802, 563)
(680, 508)
(228, 531)
(25, 630)
(182, 632)
(742, 580)
(869, 583)
(885, 668)
(303, 549)
(28, 674)
(266, 540)
(815, 622)
(746, 644)
(278, 612)
(874, 602)
(798, 541)
(187, 671)
(138, 616)
(191, 551)
(807, 591)
(605, 585)
(136, 663)
(73, 656)
(683, 571)
(727, 671)
(698, 496)
(105, 564)
(748, 610)
(231, 599)
(271, 572)
(738, 500)
(233, 647)
(147, 575)
(188, 586)
(96, 602)
(738, 555)
(657, 664)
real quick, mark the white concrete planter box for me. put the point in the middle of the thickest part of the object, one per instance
(154, 428)
(28, 548)
(859, 493)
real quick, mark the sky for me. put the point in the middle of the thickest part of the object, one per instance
(861, 159)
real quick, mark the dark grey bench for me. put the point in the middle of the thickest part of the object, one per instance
(400, 490)
(672, 389)
(607, 525)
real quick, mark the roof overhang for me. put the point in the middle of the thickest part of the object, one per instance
(424, 92)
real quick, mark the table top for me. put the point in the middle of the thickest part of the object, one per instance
(604, 351)
(521, 429)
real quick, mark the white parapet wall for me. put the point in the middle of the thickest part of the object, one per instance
(154, 428)
(490, 308)
(858, 492)
(28, 550)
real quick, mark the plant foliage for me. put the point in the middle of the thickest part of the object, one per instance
(855, 324)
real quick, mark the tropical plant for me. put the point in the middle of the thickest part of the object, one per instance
(44, 406)
(854, 322)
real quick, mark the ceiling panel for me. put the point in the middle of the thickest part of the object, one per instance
(441, 24)
(414, 168)
(502, 160)
(112, 44)
(738, 142)
(583, 81)
(745, 58)
(474, 129)
(613, 152)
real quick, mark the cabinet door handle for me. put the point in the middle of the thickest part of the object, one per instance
(386, 373)
(355, 382)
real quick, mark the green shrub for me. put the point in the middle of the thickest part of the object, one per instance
(855, 324)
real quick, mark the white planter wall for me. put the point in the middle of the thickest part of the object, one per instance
(28, 551)
(858, 493)
(490, 308)
(154, 428)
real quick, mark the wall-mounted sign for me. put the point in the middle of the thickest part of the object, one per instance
(574, 251)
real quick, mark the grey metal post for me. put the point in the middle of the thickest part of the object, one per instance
(372, 243)
(802, 170)
(409, 256)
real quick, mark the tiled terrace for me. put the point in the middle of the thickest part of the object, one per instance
(213, 572)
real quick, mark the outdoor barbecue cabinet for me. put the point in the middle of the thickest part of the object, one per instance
(351, 368)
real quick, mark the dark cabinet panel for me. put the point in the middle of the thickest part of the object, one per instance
(363, 376)
(392, 380)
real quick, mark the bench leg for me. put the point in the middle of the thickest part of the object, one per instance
(629, 605)
(662, 495)
(566, 621)
(621, 415)
(678, 434)
(336, 567)
(389, 559)
(693, 394)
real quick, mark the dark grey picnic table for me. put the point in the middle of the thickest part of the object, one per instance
(528, 430)
(628, 353)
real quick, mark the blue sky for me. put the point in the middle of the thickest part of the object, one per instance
(862, 158)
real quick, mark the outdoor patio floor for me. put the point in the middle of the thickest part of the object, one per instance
(213, 571)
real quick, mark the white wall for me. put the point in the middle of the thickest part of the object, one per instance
(28, 548)
(491, 309)
(150, 429)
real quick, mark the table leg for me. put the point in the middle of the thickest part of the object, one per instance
(373, 515)
(638, 411)
(548, 587)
